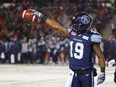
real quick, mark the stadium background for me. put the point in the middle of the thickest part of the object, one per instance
(29, 50)
(39, 43)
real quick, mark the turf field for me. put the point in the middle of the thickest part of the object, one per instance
(42, 76)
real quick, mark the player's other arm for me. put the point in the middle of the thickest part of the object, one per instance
(96, 39)
(100, 56)
(101, 59)
(52, 23)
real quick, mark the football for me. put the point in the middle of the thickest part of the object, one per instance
(26, 14)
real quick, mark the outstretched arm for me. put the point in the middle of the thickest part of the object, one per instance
(51, 23)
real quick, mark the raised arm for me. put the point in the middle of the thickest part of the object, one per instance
(55, 25)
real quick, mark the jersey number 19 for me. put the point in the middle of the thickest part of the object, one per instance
(76, 50)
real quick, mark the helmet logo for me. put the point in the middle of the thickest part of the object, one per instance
(85, 19)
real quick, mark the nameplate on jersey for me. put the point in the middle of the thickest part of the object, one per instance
(85, 37)
(73, 33)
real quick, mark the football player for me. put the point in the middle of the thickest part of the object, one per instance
(83, 43)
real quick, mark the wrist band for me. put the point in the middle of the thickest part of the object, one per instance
(43, 18)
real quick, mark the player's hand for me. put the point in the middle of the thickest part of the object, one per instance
(101, 78)
(37, 13)
(41, 16)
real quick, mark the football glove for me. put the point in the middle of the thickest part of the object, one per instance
(101, 78)
(40, 16)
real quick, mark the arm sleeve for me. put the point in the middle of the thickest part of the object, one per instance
(96, 38)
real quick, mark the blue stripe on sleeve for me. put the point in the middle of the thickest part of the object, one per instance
(96, 38)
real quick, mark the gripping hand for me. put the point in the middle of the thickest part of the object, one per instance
(36, 13)
(101, 78)
(40, 16)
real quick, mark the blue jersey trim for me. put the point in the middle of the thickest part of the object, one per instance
(96, 38)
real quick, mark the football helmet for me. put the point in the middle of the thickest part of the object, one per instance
(81, 22)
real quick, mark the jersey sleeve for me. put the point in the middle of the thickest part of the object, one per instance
(96, 38)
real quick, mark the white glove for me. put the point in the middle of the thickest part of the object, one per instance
(41, 17)
(101, 78)
(37, 13)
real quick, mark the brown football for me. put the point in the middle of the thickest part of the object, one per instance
(26, 14)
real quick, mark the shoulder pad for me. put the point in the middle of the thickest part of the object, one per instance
(96, 37)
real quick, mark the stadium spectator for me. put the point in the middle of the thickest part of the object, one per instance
(24, 51)
(14, 47)
(113, 26)
(41, 50)
(2, 51)
(30, 57)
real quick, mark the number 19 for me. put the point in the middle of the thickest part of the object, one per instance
(78, 50)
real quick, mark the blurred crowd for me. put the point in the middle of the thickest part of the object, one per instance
(110, 45)
(23, 42)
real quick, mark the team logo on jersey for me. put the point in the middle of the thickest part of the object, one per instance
(73, 33)
(85, 19)
(85, 37)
